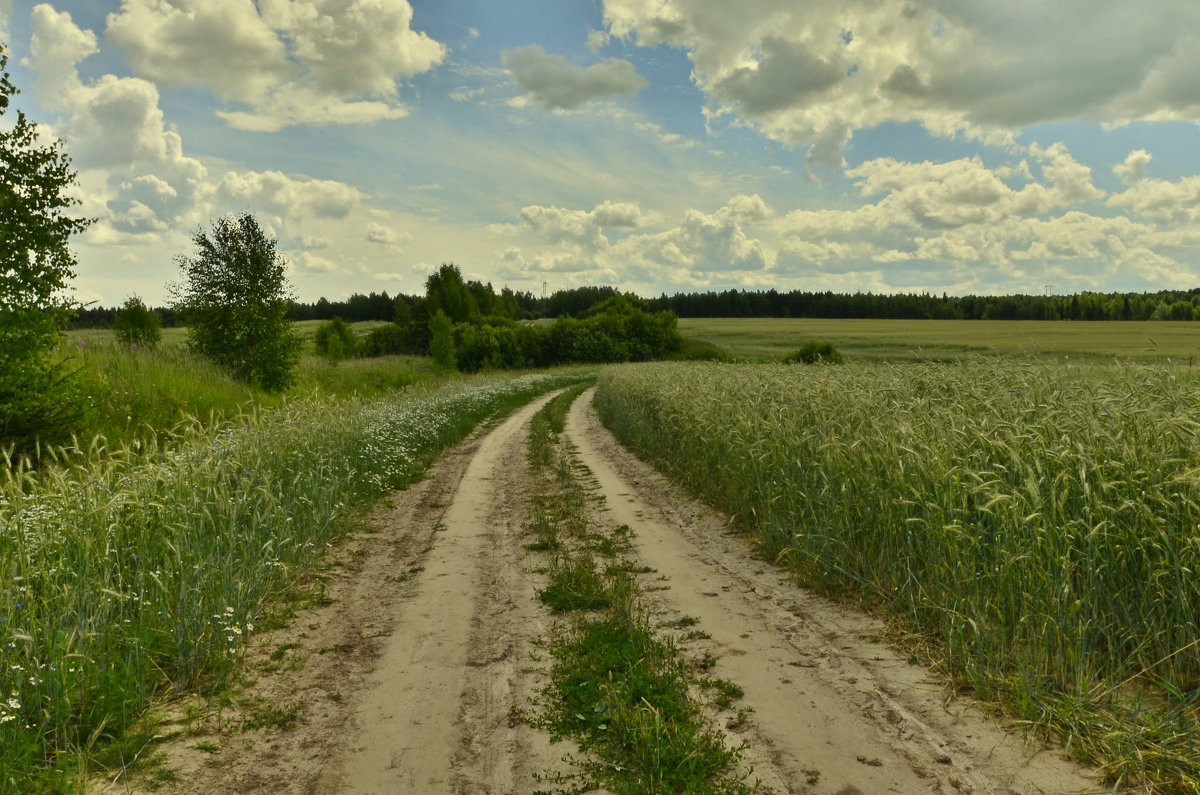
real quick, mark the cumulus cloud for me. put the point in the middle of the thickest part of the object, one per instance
(1166, 201)
(1133, 168)
(573, 241)
(378, 233)
(115, 126)
(957, 66)
(581, 228)
(288, 198)
(556, 83)
(1007, 229)
(5, 13)
(137, 178)
(291, 61)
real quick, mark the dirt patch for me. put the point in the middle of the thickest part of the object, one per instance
(413, 677)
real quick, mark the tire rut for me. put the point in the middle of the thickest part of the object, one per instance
(835, 710)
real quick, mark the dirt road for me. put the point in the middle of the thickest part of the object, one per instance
(411, 676)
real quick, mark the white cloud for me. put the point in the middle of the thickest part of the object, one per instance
(597, 39)
(115, 128)
(378, 233)
(292, 62)
(1166, 201)
(810, 79)
(288, 198)
(223, 44)
(580, 228)
(313, 241)
(1133, 168)
(701, 244)
(554, 82)
(5, 13)
(1070, 179)
(617, 214)
(135, 176)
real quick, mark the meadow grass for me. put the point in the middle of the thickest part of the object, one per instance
(130, 393)
(620, 690)
(946, 340)
(139, 570)
(1036, 523)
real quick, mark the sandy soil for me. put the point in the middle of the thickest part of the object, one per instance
(412, 679)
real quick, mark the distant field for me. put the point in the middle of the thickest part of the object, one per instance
(177, 335)
(948, 339)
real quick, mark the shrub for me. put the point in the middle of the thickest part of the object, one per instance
(701, 352)
(387, 340)
(815, 352)
(335, 340)
(134, 324)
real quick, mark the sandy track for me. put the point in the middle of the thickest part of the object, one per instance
(827, 694)
(412, 678)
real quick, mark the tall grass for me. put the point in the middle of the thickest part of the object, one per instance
(1041, 523)
(137, 571)
(128, 393)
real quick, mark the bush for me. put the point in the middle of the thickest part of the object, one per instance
(388, 340)
(701, 352)
(335, 340)
(134, 324)
(815, 352)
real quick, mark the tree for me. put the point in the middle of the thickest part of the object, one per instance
(235, 299)
(35, 267)
(135, 324)
(441, 343)
(446, 291)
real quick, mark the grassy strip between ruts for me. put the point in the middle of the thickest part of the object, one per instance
(143, 570)
(617, 688)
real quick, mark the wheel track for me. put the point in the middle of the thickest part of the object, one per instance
(827, 695)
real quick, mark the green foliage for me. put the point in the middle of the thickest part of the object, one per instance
(136, 325)
(446, 291)
(235, 300)
(696, 351)
(614, 331)
(441, 344)
(335, 340)
(388, 340)
(36, 398)
(814, 352)
(144, 393)
(575, 584)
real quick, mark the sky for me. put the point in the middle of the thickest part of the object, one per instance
(957, 146)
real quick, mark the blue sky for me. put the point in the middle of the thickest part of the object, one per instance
(960, 146)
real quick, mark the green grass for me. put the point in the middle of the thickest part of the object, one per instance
(940, 340)
(139, 393)
(1033, 522)
(147, 394)
(140, 570)
(623, 693)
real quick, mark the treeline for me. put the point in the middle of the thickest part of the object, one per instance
(1162, 305)
(466, 325)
